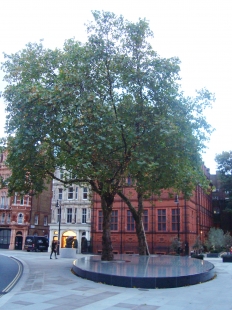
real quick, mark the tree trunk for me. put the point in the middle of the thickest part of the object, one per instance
(137, 215)
(142, 242)
(107, 248)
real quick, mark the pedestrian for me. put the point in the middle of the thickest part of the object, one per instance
(53, 249)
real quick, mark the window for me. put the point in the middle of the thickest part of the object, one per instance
(15, 198)
(45, 220)
(114, 220)
(27, 200)
(20, 218)
(75, 215)
(69, 215)
(2, 202)
(100, 220)
(70, 193)
(8, 218)
(175, 219)
(60, 195)
(84, 216)
(76, 193)
(161, 220)
(36, 221)
(145, 220)
(85, 193)
(21, 200)
(130, 221)
(3, 218)
(61, 174)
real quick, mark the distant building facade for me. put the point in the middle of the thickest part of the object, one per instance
(220, 200)
(74, 202)
(40, 215)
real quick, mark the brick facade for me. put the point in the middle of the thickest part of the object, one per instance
(17, 214)
(160, 222)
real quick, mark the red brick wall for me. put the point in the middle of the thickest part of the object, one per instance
(195, 219)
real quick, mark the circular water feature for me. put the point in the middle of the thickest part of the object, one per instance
(154, 271)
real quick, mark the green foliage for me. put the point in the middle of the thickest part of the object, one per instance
(217, 241)
(103, 109)
(198, 246)
(175, 245)
(227, 241)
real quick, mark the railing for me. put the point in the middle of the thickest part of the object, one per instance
(4, 207)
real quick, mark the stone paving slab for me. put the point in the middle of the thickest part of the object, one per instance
(50, 284)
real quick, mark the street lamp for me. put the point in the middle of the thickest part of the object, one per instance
(178, 222)
(58, 205)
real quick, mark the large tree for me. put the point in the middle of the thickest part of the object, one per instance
(97, 109)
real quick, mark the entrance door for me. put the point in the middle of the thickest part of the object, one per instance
(18, 242)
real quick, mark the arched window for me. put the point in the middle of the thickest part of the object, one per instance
(20, 218)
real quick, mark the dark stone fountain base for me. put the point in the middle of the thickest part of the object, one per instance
(154, 271)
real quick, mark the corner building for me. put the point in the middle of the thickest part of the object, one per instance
(21, 215)
(160, 219)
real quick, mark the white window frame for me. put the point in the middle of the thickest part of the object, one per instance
(69, 215)
(3, 217)
(60, 193)
(76, 193)
(36, 219)
(20, 218)
(84, 216)
(70, 193)
(85, 193)
(8, 218)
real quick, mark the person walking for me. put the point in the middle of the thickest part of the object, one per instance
(53, 249)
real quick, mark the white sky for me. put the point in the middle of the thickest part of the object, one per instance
(199, 32)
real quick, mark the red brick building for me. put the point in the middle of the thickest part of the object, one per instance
(160, 222)
(21, 215)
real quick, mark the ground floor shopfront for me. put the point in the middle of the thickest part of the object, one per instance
(13, 237)
(71, 236)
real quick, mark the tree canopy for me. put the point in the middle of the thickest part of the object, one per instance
(103, 110)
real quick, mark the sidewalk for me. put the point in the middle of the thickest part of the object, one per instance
(50, 284)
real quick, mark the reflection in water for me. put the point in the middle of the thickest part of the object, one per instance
(145, 266)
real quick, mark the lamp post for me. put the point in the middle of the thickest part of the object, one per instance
(178, 222)
(58, 205)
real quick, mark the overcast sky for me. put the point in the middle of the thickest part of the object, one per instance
(199, 32)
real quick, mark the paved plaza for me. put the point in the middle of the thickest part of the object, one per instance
(50, 284)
